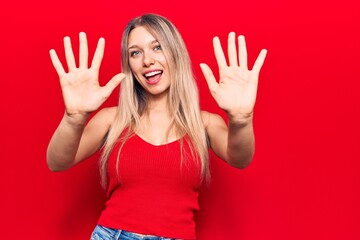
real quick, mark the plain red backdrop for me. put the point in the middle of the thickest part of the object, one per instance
(303, 182)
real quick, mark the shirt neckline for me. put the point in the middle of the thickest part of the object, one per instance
(154, 145)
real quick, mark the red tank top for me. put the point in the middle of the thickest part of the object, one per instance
(154, 193)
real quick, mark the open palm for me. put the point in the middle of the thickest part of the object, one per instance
(80, 85)
(235, 92)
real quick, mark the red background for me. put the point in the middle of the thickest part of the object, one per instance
(303, 182)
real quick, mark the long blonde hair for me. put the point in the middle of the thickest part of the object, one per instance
(183, 96)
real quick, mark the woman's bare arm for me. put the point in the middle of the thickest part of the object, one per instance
(235, 93)
(73, 140)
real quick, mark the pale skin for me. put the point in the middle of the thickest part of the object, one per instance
(235, 92)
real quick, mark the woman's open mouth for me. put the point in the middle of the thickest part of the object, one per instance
(153, 77)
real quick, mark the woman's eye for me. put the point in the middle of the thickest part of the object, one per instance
(157, 48)
(134, 53)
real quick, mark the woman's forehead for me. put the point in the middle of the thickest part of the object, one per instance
(140, 36)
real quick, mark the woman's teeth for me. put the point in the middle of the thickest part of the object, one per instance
(151, 74)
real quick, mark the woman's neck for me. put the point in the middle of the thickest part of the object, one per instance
(158, 103)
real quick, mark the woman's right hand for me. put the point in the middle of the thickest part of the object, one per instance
(80, 85)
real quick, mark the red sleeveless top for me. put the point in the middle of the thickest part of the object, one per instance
(153, 193)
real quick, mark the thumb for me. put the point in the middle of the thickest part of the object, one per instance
(113, 83)
(209, 77)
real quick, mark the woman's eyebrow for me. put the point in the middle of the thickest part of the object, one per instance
(136, 46)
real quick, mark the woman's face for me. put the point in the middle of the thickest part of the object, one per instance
(147, 62)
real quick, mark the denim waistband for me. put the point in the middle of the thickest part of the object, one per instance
(104, 233)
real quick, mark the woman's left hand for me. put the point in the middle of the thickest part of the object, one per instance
(235, 92)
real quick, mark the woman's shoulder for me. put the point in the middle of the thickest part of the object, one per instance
(105, 115)
(209, 118)
(110, 111)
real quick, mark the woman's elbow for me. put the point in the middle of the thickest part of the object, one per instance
(240, 163)
(54, 166)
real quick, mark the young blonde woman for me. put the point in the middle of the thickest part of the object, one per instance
(155, 142)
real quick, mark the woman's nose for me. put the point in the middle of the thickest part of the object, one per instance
(148, 59)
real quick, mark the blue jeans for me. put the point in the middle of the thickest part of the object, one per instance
(104, 233)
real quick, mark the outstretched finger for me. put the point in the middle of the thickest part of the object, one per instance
(259, 61)
(56, 63)
(99, 53)
(209, 77)
(83, 54)
(113, 83)
(232, 50)
(219, 54)
(70, 59)
(242, 52)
